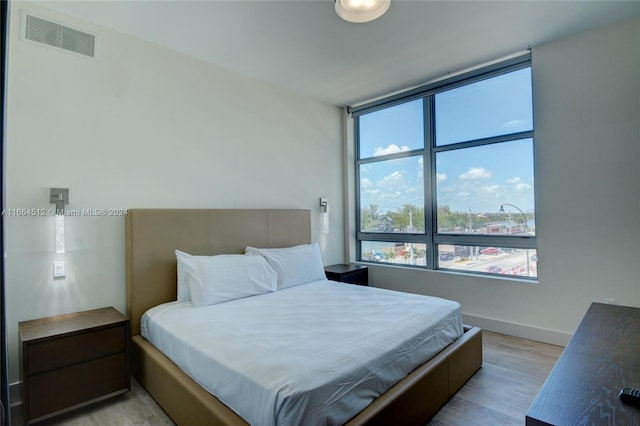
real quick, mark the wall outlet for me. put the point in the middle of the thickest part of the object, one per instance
(609, 301)
(59, 269)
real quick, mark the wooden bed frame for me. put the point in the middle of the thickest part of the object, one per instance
(152, 237)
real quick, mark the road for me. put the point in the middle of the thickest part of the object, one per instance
(514, 263)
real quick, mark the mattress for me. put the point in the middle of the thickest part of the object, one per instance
(312, 354)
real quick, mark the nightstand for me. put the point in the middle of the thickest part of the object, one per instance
(69, 361)
(351, 273)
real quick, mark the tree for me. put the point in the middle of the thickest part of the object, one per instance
(450, 221)
(408, 218)
(368, 217)
(373, 221)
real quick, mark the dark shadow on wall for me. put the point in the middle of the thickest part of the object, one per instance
(4, 385)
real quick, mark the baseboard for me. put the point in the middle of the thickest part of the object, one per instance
(519, 330)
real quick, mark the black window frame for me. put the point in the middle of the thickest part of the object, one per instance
(431, 238)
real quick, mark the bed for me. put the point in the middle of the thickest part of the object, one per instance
(153, 235)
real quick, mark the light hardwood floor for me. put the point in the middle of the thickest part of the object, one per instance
(513, 370)
(500, 393)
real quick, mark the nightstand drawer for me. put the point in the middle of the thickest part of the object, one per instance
(61, 352)
(71, 360)
(65, 388)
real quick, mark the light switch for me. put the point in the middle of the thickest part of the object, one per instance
(59, 269)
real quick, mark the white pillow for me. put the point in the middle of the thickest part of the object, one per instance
(185, 267)
(294, 265)
(217, 279)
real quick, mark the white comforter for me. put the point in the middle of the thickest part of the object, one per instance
(313, 354)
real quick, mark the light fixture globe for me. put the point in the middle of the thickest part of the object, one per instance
(360, 11)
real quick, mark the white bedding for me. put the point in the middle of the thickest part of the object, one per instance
(313, 354)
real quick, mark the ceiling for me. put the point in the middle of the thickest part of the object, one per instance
(305, 47)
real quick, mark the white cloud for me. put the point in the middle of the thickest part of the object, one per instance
(393, 177)
(518, 185)
(513, 123)
(366, 184)
(491, 188)
(441, 177)
(476, 173)
(391, 149)
(392, 190)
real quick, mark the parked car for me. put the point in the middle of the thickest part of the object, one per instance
(490, 250)
(446, 256)
(494, 269)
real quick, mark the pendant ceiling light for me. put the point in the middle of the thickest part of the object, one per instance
(361, 10)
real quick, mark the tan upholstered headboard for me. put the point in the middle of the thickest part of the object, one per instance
(153, 235)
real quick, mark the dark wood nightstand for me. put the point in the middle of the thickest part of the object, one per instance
(69, 361)
(351, 273)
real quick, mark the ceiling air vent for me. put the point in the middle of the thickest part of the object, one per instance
(56, 35)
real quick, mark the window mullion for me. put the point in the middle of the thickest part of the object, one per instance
(429, 178)
(356, 138)
(391, 237)
(486, 240)
(485, 141)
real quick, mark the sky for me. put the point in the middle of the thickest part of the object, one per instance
(478, 178)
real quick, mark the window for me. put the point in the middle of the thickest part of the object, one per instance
(445, 176)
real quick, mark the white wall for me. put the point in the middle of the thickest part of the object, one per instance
(587, 124)
(147, 127)
(144, 126)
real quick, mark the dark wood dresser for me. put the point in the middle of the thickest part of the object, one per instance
(69, 361)
(602, 357)
(348, 273)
